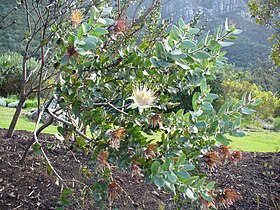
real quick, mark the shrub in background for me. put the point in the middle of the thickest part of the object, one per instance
(233, 90)
(11, 72)
(2, 102)
(277, 124)
(123, 90)
(13, 104)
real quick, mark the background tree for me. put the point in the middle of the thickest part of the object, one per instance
(11, 72)
(43, 22)
(266, 12)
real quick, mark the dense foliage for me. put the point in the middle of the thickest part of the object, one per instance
(122, 84)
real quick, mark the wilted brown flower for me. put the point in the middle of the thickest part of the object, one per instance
(120, 25)
(228, 196)
(116, 136)
(72, 52)
(236, 156)
(223, 152)
(102, 159)
(155, 120)
(76, 17)
(150, 151)
(211, 159)
(135, 170)
(114, 190)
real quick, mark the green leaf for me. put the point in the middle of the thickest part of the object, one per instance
(175, 33)
(170, 187)
(237, 31)
(223, 109)
(190, 180)
(49, 168)
(181, 159)
(184, 174)
(181, 24)
(206, 196)
(71, 39)
(168, 164)
(193, 129)
(176, 55)
(79, 42)
(226, 24)
(238, 133)
(188, 44)
(154, 62)
(155, 167)
(94, 13)
(201, 124)
(189, 167)
(210, 185)
(36, 148)
(194, 100)
(201, 55)
(203, 86)
(159, 181)
(200, 182)
(237, 105)
(193, 30)
(232, 38)
(213, 127)
(210, 97)
(80, 33)
(99, 31)
(159, 50)
(222, 139)
(165, 64)
(183, 64)
(247, 111)
(243, 98)
(225, 44)
(107, 11)
(161, 207)
(172, 177)
(256, 102)
(190, 193)
(207, 108)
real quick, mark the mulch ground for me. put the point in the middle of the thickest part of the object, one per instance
(29, 186)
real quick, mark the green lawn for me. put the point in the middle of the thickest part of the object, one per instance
(6, 115)
(258, 142)
(254, 141)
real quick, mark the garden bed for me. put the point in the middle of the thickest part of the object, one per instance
(29, 186)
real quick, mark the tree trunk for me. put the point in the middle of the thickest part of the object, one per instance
(13, 123)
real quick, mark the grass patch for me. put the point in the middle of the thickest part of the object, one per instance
(257, 142)
(253, 142)
(6, 115)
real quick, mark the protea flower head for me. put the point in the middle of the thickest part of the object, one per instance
(76, 17)
(143, 98)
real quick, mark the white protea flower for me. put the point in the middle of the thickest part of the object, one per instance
(143, 99)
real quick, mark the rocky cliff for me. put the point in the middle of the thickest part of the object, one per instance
(211, 9)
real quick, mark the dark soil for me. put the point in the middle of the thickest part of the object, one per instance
(29, 186)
